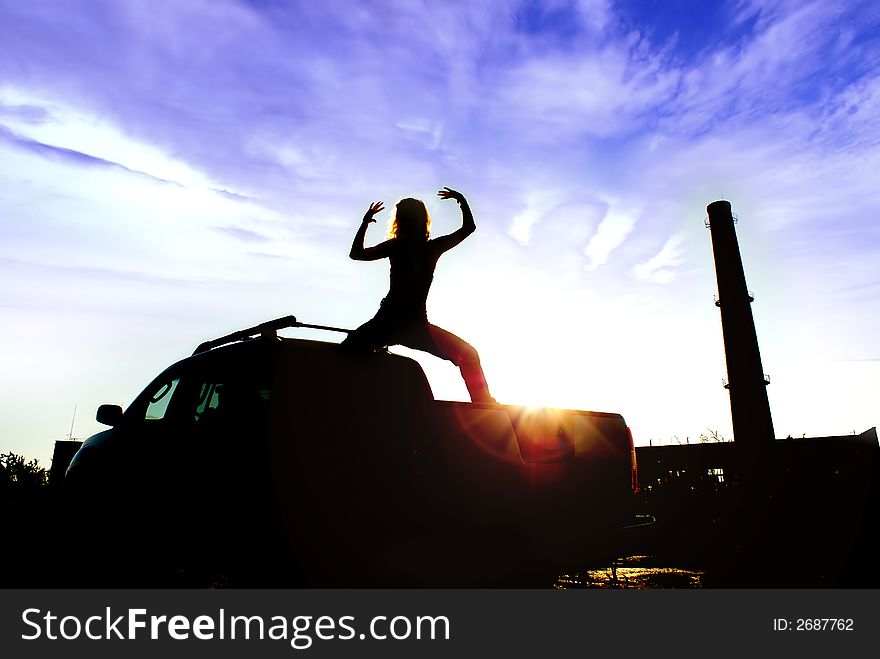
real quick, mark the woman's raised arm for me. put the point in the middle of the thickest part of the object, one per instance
(468, 226)
(358, 251)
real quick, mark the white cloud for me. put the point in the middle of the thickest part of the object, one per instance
(659, 269)
(763, 73)
(612, 231)
(521, 226)
(536, 205)
(595, 93)
(596, 14)
(423, 131)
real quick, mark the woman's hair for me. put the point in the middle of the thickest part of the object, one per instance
(409, 219)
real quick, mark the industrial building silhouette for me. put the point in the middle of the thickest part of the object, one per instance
(760, 511)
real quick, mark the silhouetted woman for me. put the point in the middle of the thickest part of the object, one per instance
(402, 318)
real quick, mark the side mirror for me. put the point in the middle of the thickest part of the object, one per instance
(109, 415)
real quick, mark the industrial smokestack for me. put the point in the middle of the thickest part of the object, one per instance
(749, 407)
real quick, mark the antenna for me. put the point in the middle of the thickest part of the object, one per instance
(70, 434)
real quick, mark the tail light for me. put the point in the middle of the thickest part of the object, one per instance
(633, 463)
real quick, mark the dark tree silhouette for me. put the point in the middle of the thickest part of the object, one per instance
(16, 471)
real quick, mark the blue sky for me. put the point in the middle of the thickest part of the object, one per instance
(172, 171)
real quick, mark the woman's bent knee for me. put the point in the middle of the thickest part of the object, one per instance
(466, 355)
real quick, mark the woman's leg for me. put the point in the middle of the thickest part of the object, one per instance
(369, 337)
(382, 331)
(447, 345)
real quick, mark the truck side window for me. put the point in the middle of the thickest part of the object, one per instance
(225, 403)
(157, 406)
(208, 401)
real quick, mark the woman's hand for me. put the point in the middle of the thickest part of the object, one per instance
(375, 207)
(449, 193)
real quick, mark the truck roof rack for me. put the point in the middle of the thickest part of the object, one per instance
(268, 329)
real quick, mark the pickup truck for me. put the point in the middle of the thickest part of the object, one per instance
(271, 461)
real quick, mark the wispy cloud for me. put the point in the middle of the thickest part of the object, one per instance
(70, 156)
(610, 234)
(30, 114)
(244, 235)
(298, 107)
(19, 268)
(659, 269)
(235, 196)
